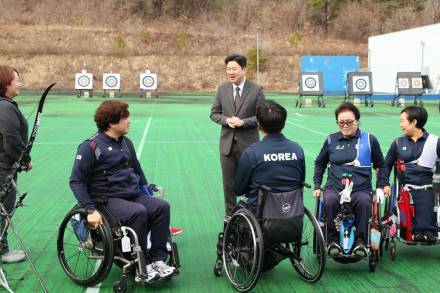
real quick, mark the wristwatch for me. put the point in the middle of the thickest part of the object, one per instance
(90, 210)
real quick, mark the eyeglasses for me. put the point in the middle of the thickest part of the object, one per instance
(349, 123)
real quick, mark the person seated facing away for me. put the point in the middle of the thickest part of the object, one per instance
(355, 152)
(418, 150)
(106, 167)
(278, 163)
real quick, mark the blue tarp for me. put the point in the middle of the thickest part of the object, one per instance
(334, 70)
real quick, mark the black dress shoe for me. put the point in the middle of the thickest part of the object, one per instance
(429, 236)
(418, 236)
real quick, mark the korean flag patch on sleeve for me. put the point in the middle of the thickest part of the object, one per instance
(78, 157)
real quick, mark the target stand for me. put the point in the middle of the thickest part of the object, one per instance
(84, 84)
(111, 84)
(359, 84)
(310, 84)
(148, 85)
(408, 84)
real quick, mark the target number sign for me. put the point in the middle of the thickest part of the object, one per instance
(83, 81)
(148, 81)
(417, 83)
(310, 82)
(403, 83)
(111, 81)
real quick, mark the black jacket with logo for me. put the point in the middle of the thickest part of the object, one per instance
(13, 133)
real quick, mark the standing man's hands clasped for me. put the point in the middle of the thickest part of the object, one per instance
(234, 122)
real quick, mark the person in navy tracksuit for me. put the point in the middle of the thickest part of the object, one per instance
(419, 151)
(105, 167)
(355, 152)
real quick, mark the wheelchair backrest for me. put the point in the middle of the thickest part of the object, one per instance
(283, 216)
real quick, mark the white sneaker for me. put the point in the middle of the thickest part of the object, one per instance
(152, 274)
(163, 269)
(13, 256)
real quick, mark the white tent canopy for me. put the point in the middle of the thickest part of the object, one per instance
(416, 49)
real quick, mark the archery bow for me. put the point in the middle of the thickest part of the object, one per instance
(19, 164)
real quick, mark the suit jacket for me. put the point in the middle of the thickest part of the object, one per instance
(224, 107)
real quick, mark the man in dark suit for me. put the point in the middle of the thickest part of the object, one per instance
(234, 109)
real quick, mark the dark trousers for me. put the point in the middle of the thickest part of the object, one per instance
(229, 165)
(8, 202)
(360, 205)
(425, 218)
(145, 214)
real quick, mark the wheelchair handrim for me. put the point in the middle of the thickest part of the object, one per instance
(254, 273)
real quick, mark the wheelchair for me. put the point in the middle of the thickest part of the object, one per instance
(244, 251)
(400, 212)
(347, 231)
(86, 254)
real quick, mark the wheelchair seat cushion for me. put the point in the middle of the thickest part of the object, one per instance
(283, 216)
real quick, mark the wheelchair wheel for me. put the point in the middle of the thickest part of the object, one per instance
(243, 250)
(309, 255)
(85, 254)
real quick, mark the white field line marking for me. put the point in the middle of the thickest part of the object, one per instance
(306, 128)
(95, 289)
(144, 136)
(300, 115)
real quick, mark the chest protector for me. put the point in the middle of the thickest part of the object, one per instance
(429, 153)
(363, 157)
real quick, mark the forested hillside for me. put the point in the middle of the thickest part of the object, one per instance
(185, 41)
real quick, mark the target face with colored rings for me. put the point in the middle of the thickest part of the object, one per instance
(417, 83)
(403, 83)
(111, 81)
(310, 82)
(361, 84)
(83, 80)
(148, 81)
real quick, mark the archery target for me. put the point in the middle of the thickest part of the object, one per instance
(148, 81)
(310, 83)
(409, 83)
(111, 81)
(83, 81)
(417, 83)
(360, 84)
(404, 83)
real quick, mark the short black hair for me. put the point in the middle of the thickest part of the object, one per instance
(417, 113)
(240, 59)
(344, 107)
(271, 116)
